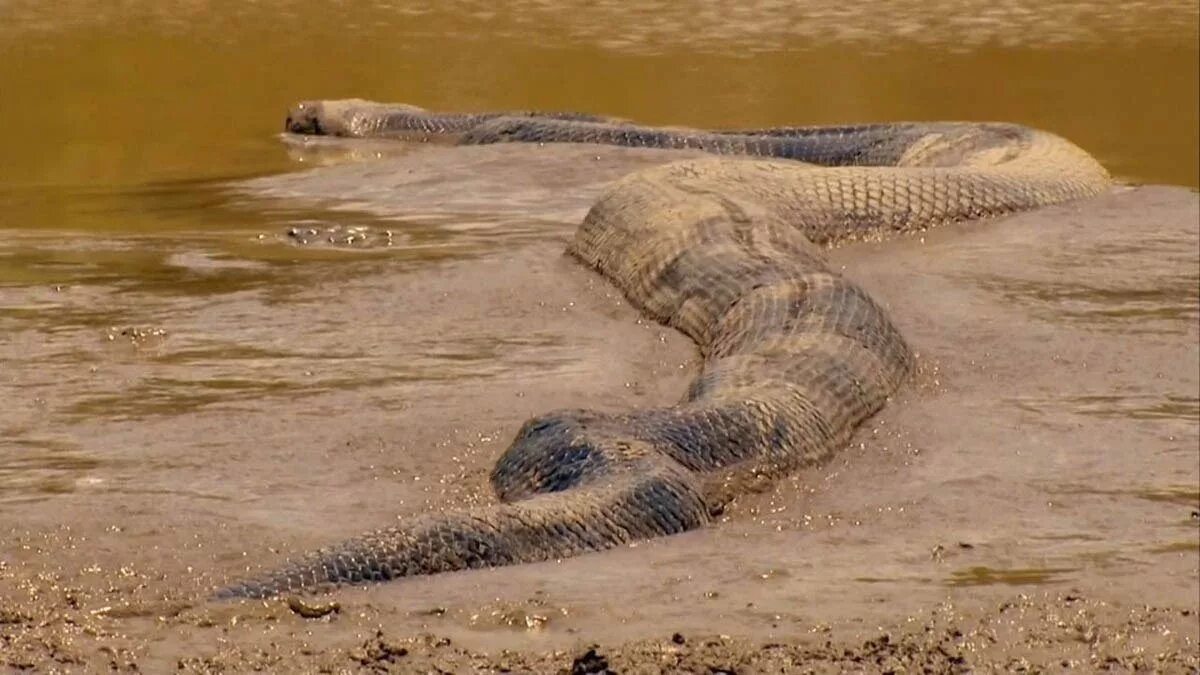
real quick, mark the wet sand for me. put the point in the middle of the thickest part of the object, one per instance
(1031, 499)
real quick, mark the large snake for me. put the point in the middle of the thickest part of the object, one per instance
(730, 252)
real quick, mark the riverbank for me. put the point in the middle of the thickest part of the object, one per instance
(1030, 499)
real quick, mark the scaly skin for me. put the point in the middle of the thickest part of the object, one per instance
(726, 251)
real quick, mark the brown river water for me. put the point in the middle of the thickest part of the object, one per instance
(189, 391)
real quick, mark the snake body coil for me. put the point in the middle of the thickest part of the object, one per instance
(728, 251)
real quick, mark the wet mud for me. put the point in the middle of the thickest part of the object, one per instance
(1031, 500)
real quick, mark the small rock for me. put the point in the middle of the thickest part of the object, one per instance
(310, 610)
(589, 663)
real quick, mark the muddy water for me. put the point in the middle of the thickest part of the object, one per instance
(190, 391)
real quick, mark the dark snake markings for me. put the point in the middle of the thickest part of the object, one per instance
(728, 251)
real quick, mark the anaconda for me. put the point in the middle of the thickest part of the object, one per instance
(730, 252)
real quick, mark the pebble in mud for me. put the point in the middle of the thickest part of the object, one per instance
(589, 663)
(312, 610)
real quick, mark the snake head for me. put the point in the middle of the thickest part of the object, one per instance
(305, 118)
(337, 117)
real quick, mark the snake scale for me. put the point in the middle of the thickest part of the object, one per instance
(729, 251)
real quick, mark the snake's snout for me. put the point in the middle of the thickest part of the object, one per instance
(304, 118)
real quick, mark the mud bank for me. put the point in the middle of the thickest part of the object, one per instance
(1031, 500)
